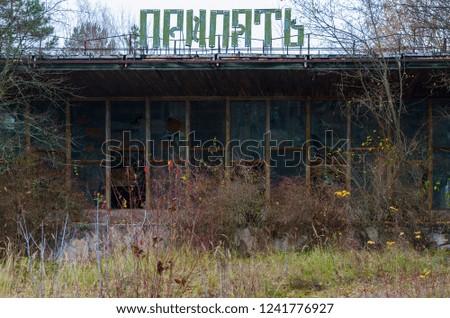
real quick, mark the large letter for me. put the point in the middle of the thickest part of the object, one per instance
(247, 28)
(168, 31)
(291, 24)
(267, 22)
(156, 19)
(213, 26)
(196, 32)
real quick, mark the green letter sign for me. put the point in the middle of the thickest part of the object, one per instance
(267, 22)
(195, 30)
(243, 29)
(213, 26)
(156, 18)
(290, 24)
(168, 31)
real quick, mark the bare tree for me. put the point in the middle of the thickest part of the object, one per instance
(98, 30)
(423, 23)
(376, 83)
(369, 32)
(32, 180)
(90, 38)
(25, 29)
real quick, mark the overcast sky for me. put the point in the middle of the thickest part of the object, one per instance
(132, 7)
(128, 10)
(192, 4)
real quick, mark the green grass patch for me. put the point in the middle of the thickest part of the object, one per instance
(185, 272)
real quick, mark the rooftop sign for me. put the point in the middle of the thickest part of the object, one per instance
(195, 26)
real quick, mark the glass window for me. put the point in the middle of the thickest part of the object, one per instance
(208, 129)
(414, 124)
(167, 129)
(441, 124)
(441, 179)
(328, 140)
(288, 131)
(90, 178)
(127, 170)
(441, 155)
(247, 130)
(88, 130)
(48, 125)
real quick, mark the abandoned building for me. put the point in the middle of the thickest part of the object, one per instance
(150, 111)
(285, 110)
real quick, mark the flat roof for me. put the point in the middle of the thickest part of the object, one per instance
(242, 75)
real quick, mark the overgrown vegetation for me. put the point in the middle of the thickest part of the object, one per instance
(184, 272)
(310, 216)
(362, 237)
(393, 178)
(208, 210)
(32, 182)
(33, 197)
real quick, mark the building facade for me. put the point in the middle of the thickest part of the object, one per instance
(282, 114)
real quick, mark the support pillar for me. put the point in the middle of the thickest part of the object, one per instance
(267, 153)
(430, 155)
(147, 158)
(227, 140)
(390, 171)
(187, 161)
(348, 171)
(68, 149)
(108, 154)
(308, 142)
(27, 126)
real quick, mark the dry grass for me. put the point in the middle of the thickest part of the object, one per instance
(185, 272)
(196, 261)
(318, 214)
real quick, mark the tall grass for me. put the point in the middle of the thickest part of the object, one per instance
(187, 272)
(190, 248)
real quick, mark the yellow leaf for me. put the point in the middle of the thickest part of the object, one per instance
(425, 273)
